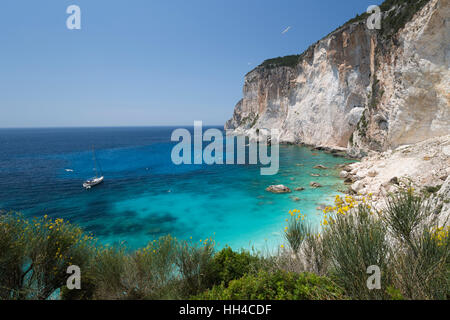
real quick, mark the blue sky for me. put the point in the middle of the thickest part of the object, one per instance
(146, 62)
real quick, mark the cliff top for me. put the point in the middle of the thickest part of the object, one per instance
(396, 13)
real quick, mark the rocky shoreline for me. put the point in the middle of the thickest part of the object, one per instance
(377, 96)
(424, 166)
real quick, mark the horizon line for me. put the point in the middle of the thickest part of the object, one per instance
(119, 126)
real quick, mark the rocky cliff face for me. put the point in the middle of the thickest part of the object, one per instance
(357, 88)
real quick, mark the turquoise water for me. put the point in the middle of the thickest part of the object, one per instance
(145, 196)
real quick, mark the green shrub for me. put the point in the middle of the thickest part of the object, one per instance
(276, 286)
(13, 257)
(195, 265)
(404, 214)
(286, 61)
(229, 265)
(315, 255)
(397, 19)
(354, 242)
(424, 273)
(35, 255)
(296, 231)
(432, 189)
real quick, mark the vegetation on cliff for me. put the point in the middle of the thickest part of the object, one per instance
(287, 61)
(396, 13)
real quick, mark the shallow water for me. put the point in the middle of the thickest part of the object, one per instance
(146, 196)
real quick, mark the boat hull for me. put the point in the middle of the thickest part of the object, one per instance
(92, 183)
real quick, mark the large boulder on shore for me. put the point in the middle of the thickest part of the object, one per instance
(358, 186)
(344, 174)
(278, 189)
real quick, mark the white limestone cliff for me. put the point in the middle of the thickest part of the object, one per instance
(357, 88)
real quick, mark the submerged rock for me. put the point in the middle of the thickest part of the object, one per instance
(315, 185)
(299, 189)
(278, 189)
(319, 166)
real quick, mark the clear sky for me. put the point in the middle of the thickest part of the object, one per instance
(146, 62)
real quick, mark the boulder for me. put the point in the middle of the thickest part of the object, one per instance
(394, 180)
(299, 189)
(343, 174)
(278, 189)
(347, 168)
(315, 185)
(372, 173)
(349, 180)
(358, 186)
(319, 166)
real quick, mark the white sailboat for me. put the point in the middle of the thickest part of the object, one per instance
(97, 179)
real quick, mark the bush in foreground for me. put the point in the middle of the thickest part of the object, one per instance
(404, 240)
(278, 285)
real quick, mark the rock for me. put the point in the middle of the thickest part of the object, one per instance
(347, 168)
(299, 189)
(348, 180)
(372, 173)
(278, 189)
(443, 178)
(319, 166)
(361, 174)
(446, 151)
(394, 180)
(440, 203)
(315, 175)
(315, 185)
(358, 186)
(343, 174)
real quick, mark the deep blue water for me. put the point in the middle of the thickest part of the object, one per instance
(145, 195)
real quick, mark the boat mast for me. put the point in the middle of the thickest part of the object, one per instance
(95, 161)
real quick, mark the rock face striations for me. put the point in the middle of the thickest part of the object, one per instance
(357, 88)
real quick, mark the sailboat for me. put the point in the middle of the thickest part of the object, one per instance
(98, 179)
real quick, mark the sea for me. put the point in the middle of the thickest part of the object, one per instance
(146, 196)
